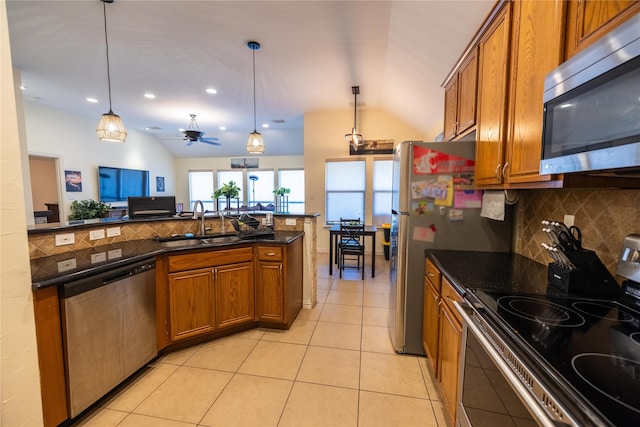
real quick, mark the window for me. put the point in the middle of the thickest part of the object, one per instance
(223, 178)
(293, 179)
(200, 188)
(261, 189)
(345, 190)
(382, 182)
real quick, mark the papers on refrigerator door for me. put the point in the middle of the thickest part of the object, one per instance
(467, 199)
(424, 234)
(428, 161)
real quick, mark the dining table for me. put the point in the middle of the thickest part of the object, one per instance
(334, 232)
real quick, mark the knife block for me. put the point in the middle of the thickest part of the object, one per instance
(590, 277)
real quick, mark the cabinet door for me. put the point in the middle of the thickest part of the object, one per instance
(450, 108)
(537, 49)
(191, 307)
(270, 292)
(450, 341)
(234, 294)
(492, 99)
(431, 324)
(591, 19)
(467, 81)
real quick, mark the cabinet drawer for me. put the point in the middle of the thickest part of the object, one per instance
(269, 253)
(432, 274)
(449, 295)
(209, 259)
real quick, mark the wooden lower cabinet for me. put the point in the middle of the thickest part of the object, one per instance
(431, 317)
(450, 341)
(442, 335)
(234, 294)
(270, 285)
(191, 303)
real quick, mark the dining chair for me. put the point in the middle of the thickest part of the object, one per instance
(351, 244)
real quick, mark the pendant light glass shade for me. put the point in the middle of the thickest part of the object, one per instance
(255, 144)
(110, 127)
(354, 138)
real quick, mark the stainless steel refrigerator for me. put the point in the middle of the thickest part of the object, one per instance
(434, 206)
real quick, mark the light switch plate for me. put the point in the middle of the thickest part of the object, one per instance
(569, 220)
(96, 234)
(113, 231)
(65, 239)
(290, 221)
(115, 253)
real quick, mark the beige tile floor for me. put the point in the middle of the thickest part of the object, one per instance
(334, 367)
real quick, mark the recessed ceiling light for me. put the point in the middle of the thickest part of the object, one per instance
(277, 121)
(23, 87)
(93, 100)
(222, 128)
(212, 91)
(265, 125)
(149, 96)
(153, 128)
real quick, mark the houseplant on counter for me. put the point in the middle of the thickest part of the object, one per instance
(229, 190)
(88, 209)
(282, 199)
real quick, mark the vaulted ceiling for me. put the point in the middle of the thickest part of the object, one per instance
(398, 52)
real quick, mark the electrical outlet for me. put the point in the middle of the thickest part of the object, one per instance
(65, 239)
(113, 231)
(115, 253)
(569, 220)
(67, 264)
(290, 221)
(99, 257)
(96, 234)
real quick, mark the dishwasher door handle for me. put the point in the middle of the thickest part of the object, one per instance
(117, 277)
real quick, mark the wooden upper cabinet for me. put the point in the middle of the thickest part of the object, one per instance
(588, 20)
(492, 99)
(537, 48)
(460, 98)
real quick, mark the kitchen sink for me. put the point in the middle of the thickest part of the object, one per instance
(180, 243)
(220, 239)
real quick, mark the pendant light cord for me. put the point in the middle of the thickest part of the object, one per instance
(254, 90)
(106, 40)
(355, 104)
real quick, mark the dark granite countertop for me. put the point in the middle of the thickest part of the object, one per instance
(63, 268)
(490, 270)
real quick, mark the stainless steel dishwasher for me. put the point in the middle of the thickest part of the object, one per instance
(109, 330)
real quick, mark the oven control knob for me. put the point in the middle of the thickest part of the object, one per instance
(635, 256)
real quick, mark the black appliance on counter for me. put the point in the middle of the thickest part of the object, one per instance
(151, 207)
(571, 359)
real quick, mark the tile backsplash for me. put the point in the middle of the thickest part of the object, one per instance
(604, 216)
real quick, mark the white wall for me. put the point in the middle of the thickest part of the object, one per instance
(19, 373)
(56, 133)
(183, 166)
(324, 139)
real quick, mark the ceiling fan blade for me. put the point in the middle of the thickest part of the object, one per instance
(189, 142)
(212, 141)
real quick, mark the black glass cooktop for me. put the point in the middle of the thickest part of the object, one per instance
(592, 344)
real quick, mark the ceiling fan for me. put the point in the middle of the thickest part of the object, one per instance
(194, 134)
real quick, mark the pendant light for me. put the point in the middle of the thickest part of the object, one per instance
(354, 139)
(110, 127)
(255, 144)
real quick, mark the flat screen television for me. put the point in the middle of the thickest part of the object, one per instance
(118, 184)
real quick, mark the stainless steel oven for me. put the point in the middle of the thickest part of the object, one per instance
(497, 388)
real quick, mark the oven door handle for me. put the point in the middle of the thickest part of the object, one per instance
(529, 400)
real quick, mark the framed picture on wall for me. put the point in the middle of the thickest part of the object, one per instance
(160, 184)
(73, 181)
(244, 163)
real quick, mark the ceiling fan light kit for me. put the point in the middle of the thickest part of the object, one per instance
(255, 144)
(354, 138)
(110, 128)
(193, 134)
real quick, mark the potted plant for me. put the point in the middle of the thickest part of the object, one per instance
(282, 198)
(88, 209)
(229, 190)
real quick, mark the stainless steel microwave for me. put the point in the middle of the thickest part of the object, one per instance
(592, 107)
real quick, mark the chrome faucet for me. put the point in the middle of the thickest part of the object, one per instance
(195, 215)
